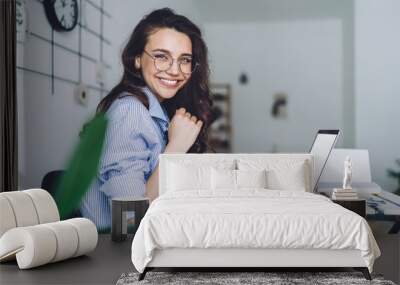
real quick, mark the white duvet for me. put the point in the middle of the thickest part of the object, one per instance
(251, 218)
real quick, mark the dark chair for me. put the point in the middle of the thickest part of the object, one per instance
(50, 182)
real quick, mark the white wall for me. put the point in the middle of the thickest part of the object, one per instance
(300, 58)
(377, 84)
(288, 13)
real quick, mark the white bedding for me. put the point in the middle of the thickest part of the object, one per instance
(251, 218)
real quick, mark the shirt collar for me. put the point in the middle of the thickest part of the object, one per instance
(155, 108)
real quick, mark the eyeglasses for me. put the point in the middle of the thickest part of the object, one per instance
(163, 62)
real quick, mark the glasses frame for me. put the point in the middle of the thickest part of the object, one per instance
(171, 64)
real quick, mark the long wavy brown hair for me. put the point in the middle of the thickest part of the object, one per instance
(194, 96)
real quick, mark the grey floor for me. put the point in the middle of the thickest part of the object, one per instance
(103, 266)
(110, 259)
(389, 263)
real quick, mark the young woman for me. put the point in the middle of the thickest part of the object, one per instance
(161, 105)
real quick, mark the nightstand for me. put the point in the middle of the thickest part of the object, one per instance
(357, 205)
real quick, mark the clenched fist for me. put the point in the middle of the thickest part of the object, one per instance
(182, 132)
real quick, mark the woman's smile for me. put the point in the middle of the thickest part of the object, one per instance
(169, 83)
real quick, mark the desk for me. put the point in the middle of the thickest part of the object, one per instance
(385, 206)
(381, 205)
(102, 266)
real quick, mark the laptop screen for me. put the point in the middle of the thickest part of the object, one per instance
(321, 148)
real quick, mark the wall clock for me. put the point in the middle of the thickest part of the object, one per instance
(62, 14)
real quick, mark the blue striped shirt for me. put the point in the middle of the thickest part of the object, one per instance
(134, 139)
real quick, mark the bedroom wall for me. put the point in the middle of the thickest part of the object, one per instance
(377, 84)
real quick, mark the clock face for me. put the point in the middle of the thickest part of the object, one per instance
(62, 14)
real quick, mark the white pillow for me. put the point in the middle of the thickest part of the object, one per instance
(223, 179)
(235, 179)
(251, 178)
(289, 179)
(181, 177)
(192, 174)
(282, 174)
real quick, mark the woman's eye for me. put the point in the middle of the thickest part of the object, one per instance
(186, 60)
(161, 56)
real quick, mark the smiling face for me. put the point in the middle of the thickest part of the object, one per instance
(161, 44)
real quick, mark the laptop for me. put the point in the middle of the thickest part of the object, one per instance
(321, 148)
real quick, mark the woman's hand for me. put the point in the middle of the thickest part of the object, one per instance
(183, 131)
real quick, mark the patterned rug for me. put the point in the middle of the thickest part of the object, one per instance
(231, 278)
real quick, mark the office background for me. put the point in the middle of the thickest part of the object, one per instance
(336, 63)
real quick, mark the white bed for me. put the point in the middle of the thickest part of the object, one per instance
(248, 227)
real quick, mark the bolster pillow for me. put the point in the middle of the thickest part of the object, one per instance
(40, 244)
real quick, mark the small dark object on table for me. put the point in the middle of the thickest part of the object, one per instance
(120, 209)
